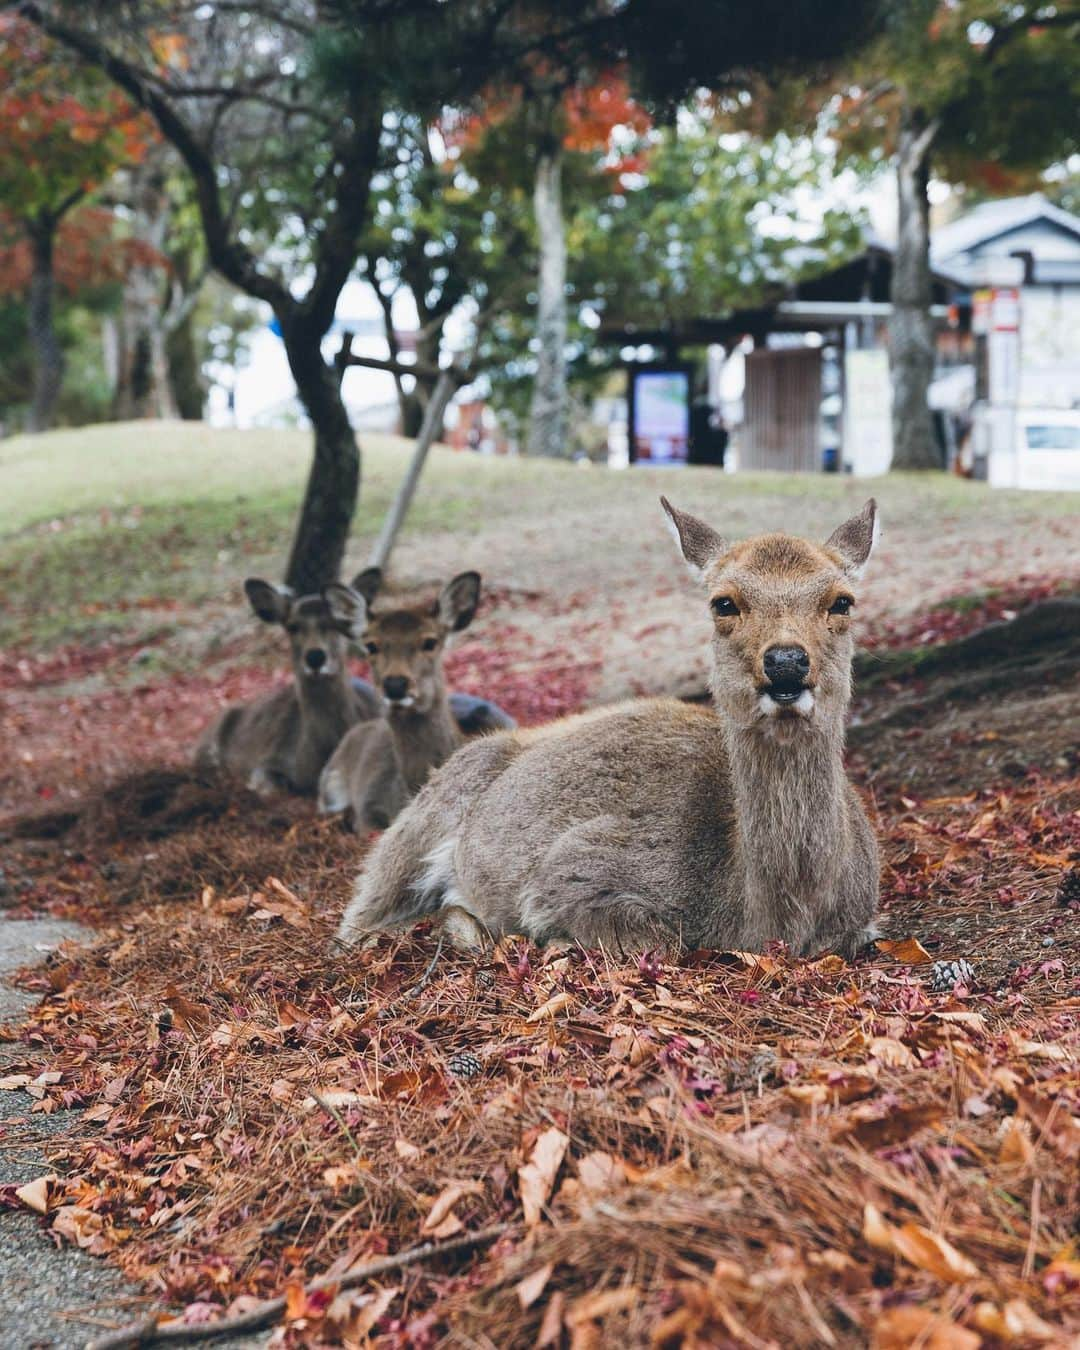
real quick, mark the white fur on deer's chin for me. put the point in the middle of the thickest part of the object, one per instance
(802, 707)
(408, 702)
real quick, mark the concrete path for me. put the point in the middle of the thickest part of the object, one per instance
(50, 1298)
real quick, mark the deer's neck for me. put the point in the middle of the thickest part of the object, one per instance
(327, 707)
(791, 825)
(423, 740)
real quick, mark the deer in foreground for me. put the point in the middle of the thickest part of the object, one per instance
(282, 741)
(381, 765)
(656, 823)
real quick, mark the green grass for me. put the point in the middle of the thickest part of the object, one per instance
(101, 525)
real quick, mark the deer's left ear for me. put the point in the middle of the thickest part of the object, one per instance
(348, 609)
(458, 600)
(854, 540)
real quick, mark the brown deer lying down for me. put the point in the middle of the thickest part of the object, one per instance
(282, 741)
(379, 766)
(654, 822)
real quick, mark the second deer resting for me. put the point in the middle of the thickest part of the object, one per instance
(655, 823)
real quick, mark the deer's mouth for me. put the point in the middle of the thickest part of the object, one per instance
(786, 698)
(785, 694)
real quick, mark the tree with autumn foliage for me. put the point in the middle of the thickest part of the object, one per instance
(982, 91)
(526, 138)
(570, 73)
(65, 130)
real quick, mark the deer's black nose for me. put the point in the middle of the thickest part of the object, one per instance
(786, 665)
(315, 657)
(395, 686)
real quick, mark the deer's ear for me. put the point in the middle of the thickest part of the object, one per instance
(699, 543)
(348, 608)
(367, 582)
(458, 600)
(271, 603)
(855, 540)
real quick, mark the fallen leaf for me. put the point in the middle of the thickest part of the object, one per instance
(591, 1307)
(874, 1128)
(905, 1326)
(194, 1018)
(537, 1177)
(909, 950)
(443, 1204)
(35, 1194)
(1016, 1321)
(917, 1245)
(550, 1008)
(1040, 1049)
(892, 1053)
(550, 1332)
(342, 1175)
(600, 1173)
(1016, 1146)
(532, 1286)
(409, 1152)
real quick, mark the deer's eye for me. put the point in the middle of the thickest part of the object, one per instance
(841, 605)
(724, 607)
(371, 648)
(430, 644)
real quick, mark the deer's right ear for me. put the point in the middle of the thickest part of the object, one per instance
(270, 603)
(699, 543)
(855, 540)
(367, 583)
(348, 608)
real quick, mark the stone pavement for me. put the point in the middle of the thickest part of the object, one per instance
(50, 1298)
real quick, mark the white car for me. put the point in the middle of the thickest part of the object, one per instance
(1043, 451)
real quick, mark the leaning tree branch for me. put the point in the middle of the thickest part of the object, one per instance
(230, 257)
(150, 1331)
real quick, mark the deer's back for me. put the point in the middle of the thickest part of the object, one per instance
(642, 790)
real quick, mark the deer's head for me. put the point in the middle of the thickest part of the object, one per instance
(782, 612)
(405, 636)
(319, 627)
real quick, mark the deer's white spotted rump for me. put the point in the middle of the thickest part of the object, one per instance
(657, 823)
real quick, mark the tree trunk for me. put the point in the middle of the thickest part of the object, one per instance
(48, 356)
(185, 375)
(143, 389)
(547, 415)
(334, 479)
(911, 329)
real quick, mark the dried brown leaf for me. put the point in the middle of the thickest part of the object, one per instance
(537, 1177)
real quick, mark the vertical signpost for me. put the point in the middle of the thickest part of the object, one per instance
(995, 322)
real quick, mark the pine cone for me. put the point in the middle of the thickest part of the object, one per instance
(945, 974)
(1069, 890)
(464, 1064)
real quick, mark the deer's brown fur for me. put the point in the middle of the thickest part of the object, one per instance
(381, 765)
(658, 823)
(283, 740)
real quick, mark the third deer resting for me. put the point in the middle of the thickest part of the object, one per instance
(655, 823)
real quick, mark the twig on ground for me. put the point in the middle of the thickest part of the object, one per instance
(150, 1331)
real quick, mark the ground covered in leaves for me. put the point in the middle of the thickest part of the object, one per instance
(724, 1151)
(731, 1150)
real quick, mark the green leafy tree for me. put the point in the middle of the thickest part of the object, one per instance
(979, 91)
(692, 223)
(564, 71)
